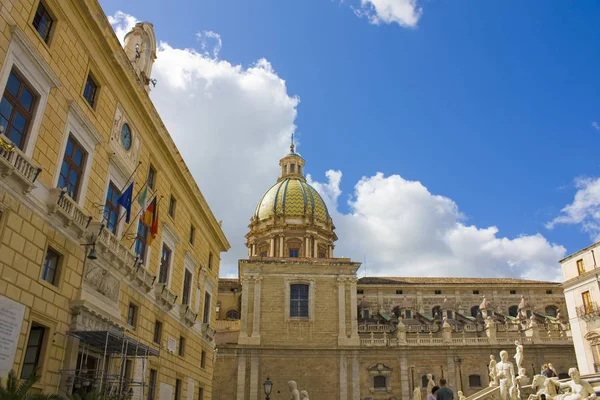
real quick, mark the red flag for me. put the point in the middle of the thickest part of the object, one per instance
(154, 226)
(148, 216)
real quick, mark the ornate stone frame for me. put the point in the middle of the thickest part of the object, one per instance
(380, 369)
(311, 298)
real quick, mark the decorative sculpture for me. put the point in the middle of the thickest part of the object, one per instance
(519, 358)
(580, 389)
(461, 395)
(542, 385)
(483, 307)
(430, 383)
(304, 395)
(294, 394)
(504, 374)
(417, 393)
(492, 369)
(551, 367)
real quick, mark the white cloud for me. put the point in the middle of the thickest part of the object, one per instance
(231, 124)
(403, 229)
(122, 23)
(203, 38)
(596, 126)
(405, 13)
(585, 208)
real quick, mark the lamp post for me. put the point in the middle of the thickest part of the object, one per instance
(268, 385)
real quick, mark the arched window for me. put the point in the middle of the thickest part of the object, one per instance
(436, 312)
(299, 300)
(551, 311)
(449, 314)
(232, 314)
(379, 382)
(474, 311)
(425, 381)
(474, 381)
(396, 311)
(513, 311)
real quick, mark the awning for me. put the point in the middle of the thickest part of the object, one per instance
(114, 343)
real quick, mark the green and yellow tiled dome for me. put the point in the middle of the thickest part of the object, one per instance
(292, 197)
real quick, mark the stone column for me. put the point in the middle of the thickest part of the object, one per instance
(253, 249)
(241, 377)
(244, 311)
(356, 377)
(342, 336)
(254, 375)
(307, 246)
(256, 320)
(452, 373)
(272, 247)
(281, 246)
(404, 377)
(353, 313)
(330, 255)
(343, 377)
(316, 248)
(69, 363)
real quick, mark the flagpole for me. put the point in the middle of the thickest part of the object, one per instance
(131, 176)
(136, 196)
(138, 213)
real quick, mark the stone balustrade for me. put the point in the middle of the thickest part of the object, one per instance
(188, 316)
(208, 331)
(63, 205)
(144, 278)
(14, 163)
(117, 252)
(164, 295)
(462, 340)
(222, 325)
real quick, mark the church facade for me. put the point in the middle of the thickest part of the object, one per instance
(299, 313)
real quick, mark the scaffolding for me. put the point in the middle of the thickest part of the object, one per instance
(112, 375)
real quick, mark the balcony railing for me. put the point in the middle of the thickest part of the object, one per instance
(588, 312)
(208, 331)
(144, 278)
(60, 203)
(164, 295)
(188, 315)
(14, 163)
(222, 325)
(118, 252)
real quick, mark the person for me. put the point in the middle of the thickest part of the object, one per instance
(544, 367)
(547, 372)
(444, 393)
(431, 396)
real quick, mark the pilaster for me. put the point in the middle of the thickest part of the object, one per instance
(404, 381)
(343, 377)
(254, 375)
(355, 339)
(342, 336)
(256, 320)
(272, 247)
(281, 246)
(356, 377)
(241, 377)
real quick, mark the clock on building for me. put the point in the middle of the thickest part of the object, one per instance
(126, 136)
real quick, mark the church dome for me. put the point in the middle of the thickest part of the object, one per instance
(292, 197)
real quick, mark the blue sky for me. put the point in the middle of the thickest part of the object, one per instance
(490, 104)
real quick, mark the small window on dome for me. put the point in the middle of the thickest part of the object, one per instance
(285, 169)
(294, 253)
(292, 168)
(300, 169)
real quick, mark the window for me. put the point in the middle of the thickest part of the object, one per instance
(264, 254)
(365, 314)
(549, 291)
(232, 314)
(16, 109)
(475, 291)
(112, 208)
(474, 381)
(141, 241)
(449, 314)
(294, 253)
(90, 90)
(399, 292)
(132, 312)
(181, 346)
(407, 314)
(152, 384)
(206, 313)
(157, 332)
(33, 351)
(513, 311)
(200, 393)
(192, 234)
(292, 168)
(42, 22)
(436, 312)
(177, 389)
(187, 287)
(172, 206)
(513, 292)
(379, 382)
(210, 260)
(438, 292)
(551, 311)
(151, 180)
(360, 291)
(71, 170)
(580, 266)
(50, 268)
(587, 302)
(474, 311)
(165, 264)
(299, 300)
(203, 359)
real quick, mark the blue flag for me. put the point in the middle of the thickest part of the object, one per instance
(125, 201)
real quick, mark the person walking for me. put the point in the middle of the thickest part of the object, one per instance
(431, 396)
(444, 393)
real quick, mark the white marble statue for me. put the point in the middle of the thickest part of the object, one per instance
(304, 395)
(542, 385)
(483, 307)
(461, 395)
(492, 369)
(519, 358)
(417, 393)
(294, 394)
(430, 383)
(580, 389)
(504, 374)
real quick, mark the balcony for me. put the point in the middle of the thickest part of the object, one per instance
(116, 252)
(187, 315)
(61, 204)
(588, 312)
(144, 278)
(14, 164)
(208, 331)
(164, 296)
(224, 325)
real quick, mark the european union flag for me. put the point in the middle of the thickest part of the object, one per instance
(125, 201)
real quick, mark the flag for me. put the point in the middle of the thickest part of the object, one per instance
(142, 200)
(125, 201)
(154, 226)
(148, 216)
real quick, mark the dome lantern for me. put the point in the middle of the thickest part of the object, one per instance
(292, 165)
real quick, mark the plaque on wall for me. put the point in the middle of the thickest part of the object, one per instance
(11, 317)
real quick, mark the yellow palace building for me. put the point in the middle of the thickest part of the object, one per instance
(89, 301)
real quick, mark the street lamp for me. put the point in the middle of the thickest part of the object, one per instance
(268, 385)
